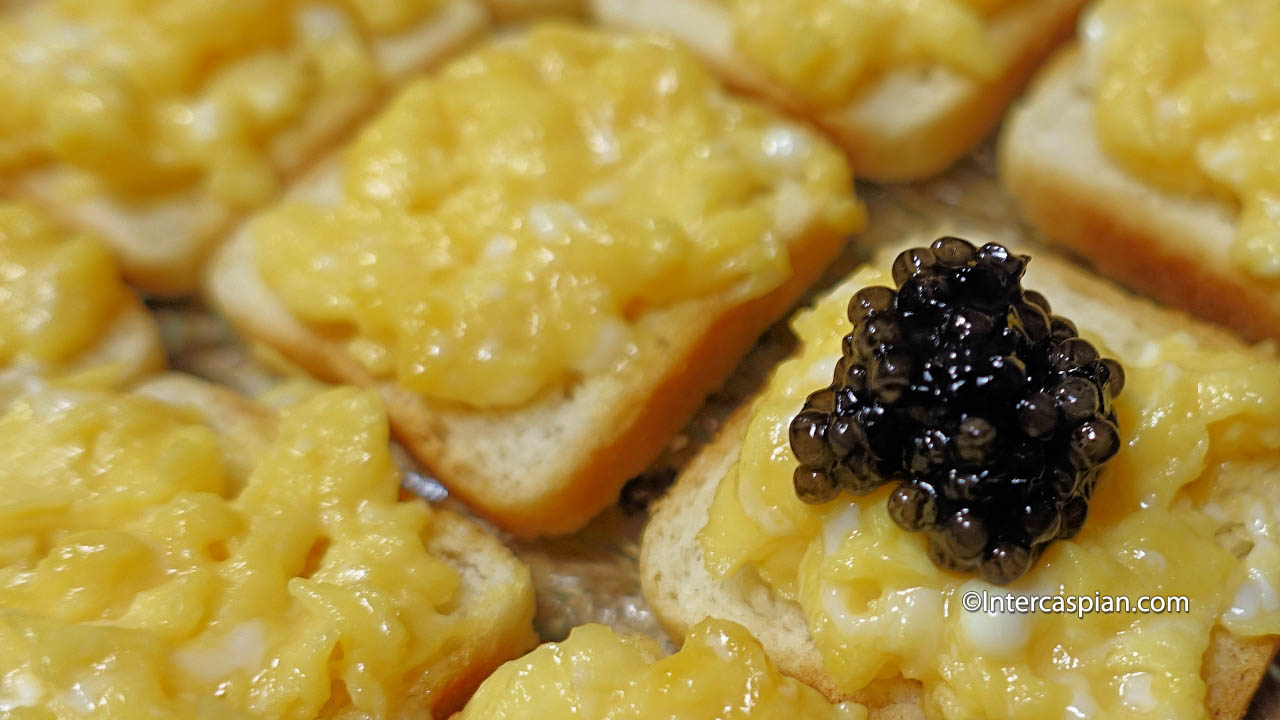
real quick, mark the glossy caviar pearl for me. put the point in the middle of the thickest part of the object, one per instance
(989, 412)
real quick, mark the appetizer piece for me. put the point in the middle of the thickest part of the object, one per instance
(65, 313)
(985, 446)
(1151, 149)
(545, 257)
(155, 124)
(906, 87)
(182, 553)
(721, 672)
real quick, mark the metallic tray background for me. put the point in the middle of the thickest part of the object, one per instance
(590, 576)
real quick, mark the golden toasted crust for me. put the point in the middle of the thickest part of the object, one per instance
(496, 594)
(1177, 249)
(549, 466)
(910, 124)
(162, 241)
(682, 592)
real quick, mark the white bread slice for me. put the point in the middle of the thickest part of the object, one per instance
(1174, 248)
(496, 593)
(682, 592)
(546, 467)
(911, 123)
(161, 242)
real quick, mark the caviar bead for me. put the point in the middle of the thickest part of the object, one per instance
(845, 435)
(1115, 376)
(910, 263)
(876, 298)
(1034, 321)
(990, 414)
(953, 251)
(975, 440)
(878, 330)
(853, 476)
(1005, 562)
(966, 534)
(914, 505)
(1040, 516)
(890, 375)
(1094, 442)
(813, 486)
(943, 558)
(999, 257)
(1061, 329)
(1038, 414)
(1077, 398)
(808, 439)
(928, 450)
(1072, 353)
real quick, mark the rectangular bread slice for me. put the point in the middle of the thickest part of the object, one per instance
(546, 467)
(682, 592)
(161, 242)
(1174, 248)
(911, 123)
(496, 591)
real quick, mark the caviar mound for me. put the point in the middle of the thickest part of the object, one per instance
(991, 413)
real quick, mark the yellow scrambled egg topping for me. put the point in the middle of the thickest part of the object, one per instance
(151, 96)
(58, 290)
(1187, 98)
(502, 224)
(721, 672)
(141, 578)
(827, 51)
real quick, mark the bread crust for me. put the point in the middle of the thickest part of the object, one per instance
(681, 592)
(162, 241)
(1176, 249)
(912, 123)
(608, 427)
(496, 594)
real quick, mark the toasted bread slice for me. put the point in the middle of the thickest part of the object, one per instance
(546, 467)
(496, 591)
(910, 123)
(1175, 248)
(682, 592)
(162, 241)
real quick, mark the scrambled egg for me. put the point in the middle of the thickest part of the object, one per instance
(1187, 98)
(141, 578)
(150, 96)
(827, 51)
(1202, 428)
(58, 290)
(721, 672)
(502, 224)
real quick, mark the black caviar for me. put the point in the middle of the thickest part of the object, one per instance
(991, 413)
